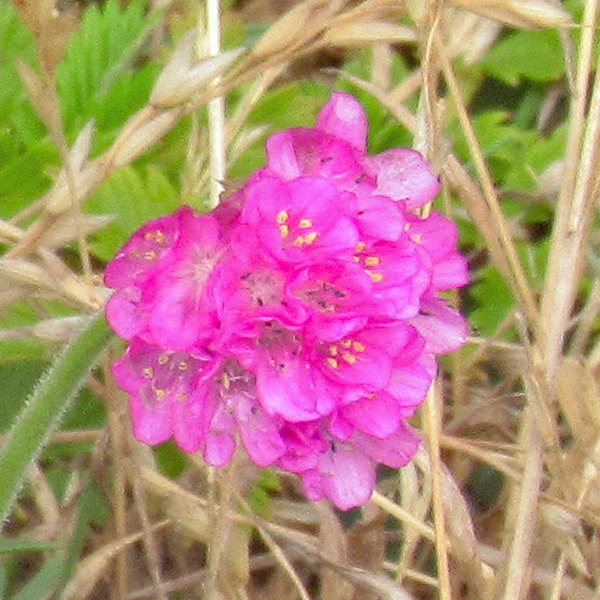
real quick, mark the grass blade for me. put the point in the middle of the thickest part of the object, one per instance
(45, 407)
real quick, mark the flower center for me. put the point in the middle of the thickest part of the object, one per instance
(301, 231)
(347, 350)
(371, 264)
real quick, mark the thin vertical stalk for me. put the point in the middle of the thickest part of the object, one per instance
(216, 110)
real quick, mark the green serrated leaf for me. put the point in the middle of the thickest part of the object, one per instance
(535, 55)
(100, 77)
(44, 410)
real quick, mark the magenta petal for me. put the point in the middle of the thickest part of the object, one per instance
(403, 174)
(141, 254)
(379, 217)
(190, 421)
(409, 385)
(348, 477)
(281, 155)
(344, 117)
(450, 273)
(281, 393)
(259, 432)
(443, 328)
(123, 312)
(175, 321)
(394, 451)
(219, 447)
(312, 485)
(151, 424)
(378, 416)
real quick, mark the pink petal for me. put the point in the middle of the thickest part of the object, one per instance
(377, 416)
(344, 117)
(151, 424)
(450, 273)
(443, 328)
(347, 477)
(403, 174)
(259, 432)
(281, 155)
(124, 314)
(219, 448)
(394, 451)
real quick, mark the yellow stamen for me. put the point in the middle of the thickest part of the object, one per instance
(349, 358)
(333, 350)
(163, 359)
(282, 217)
(182, 397)
(376, 277)
(372, 261)
(333, 363)
(305, 223)
(225, 381)
(309, 238)
(358, 346)
(417, 238)
(148, 372)
(360, 246)
(356, 259)
(160, 393)
(150, 255)
(183, 366)
(299, 241)
(346, 343)
(284, 230)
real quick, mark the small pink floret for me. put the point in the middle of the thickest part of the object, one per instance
(300, 318)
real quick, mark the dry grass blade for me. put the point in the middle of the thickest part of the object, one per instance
(90, 569)
(520, 13)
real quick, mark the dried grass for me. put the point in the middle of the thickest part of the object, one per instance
(539, 538)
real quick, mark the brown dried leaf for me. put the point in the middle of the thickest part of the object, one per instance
(520, 13)
(91, 568)
(577, 395)
(369, 32)
(460, 530)
(333, 541)
(42, 96)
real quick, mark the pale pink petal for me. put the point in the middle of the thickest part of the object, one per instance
(394, 451)
(443, 328)
(403, 174)
(347, 477)
(344, 117)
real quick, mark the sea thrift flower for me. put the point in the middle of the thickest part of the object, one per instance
(300, 318)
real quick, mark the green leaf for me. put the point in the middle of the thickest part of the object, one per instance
(101, 76)
(535, 55)
(44, 582)
(8, 546)
(493, 301)
(43, 411)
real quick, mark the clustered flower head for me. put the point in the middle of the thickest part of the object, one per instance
(300, 318)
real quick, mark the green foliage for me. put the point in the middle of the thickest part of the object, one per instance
(101, 76)
(43, 411)
(535, 55)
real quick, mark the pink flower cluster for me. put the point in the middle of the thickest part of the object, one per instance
(301, 317)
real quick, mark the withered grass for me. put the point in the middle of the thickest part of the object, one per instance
(533, 429)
